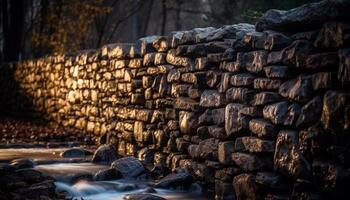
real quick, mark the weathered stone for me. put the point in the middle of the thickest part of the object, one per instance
(264, 98)
(225, 149)
(218, 116)
(148, 59)
(252, 61)
(333, 34)
(234, 122)
(181, 179)
(269, 179)
(251, 111)
(262, 128)
(223, 190)
(188, 122)
(135, 63)
(160, 44)
(242, 80)
(282, 113)
(248, 162)
(344, 66)
(160, 59)
(129, 167)
(323, 80)
(142, 196)
(212, 78)
(174, 75)
(211, 98)
(208, 149)
(276, 41)
(254, 145)
(22, 163)
(245, 187)
(322, 61)
(184, 103)
(230, 32)
(146, 155)
(241, 95)
(266, 84)
(277, 71)
(75, 152)
(288, 159)
(107, 174)
(214, 58)
(224, 82)
(330, 176)
(299, 89)
(305, 17)
(310, 113)
(196, 50)
(172, 59)
(193, 151)
(335, 114)
(217, 132)
(182, 145)
(105, 154)
(255, 40)
(201, 63)
(296, 53)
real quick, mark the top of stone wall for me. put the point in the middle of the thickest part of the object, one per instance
(305, 17)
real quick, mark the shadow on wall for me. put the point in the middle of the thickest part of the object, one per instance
(14, 101)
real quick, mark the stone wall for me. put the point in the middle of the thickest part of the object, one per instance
(251, 111)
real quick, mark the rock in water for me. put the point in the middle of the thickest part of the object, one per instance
(75, 152)
(23, 163)
(142, 196)
(107, 174)
(174, 180)
(130, 167)
(105, 154)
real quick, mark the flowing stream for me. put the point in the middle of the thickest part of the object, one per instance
(64, 170)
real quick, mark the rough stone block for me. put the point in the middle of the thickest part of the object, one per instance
(211, 98)
(264, 98)
(288, 159)
(248, 162)
(225, 149)
(241, 95)
(234, 122)
(254, 145)
(266, 84)
(298, 89)
(263, 128)
(282, 113)
(188, 122)
(242, 80)
(344, 66)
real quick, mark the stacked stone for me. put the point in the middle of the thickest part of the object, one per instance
(252, 112)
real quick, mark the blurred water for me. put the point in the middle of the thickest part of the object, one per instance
(64, 170)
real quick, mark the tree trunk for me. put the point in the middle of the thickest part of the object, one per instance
(164, 16)
(13, 22)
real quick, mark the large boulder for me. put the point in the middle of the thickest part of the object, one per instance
(129, 167)
(305, 17)
(105, 154)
